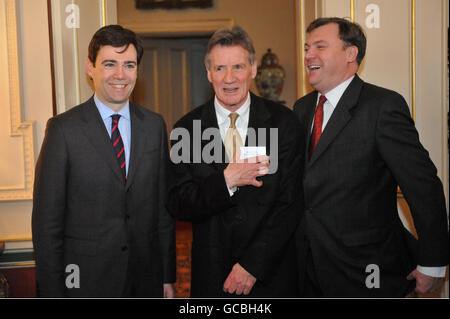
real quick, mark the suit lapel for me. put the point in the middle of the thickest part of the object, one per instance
(258, 119)
(137, 141)
(209, 119)
(339, 119)
(95, 130)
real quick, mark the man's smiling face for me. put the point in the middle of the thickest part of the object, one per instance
(231, 75)
(327, 60)
(114, 74)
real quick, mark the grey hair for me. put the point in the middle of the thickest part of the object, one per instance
(226, 37)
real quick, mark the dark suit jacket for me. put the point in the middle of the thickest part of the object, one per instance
(369, 146)
(84, 213)
(255, 226)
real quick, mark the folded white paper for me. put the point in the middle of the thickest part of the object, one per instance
(252, 151)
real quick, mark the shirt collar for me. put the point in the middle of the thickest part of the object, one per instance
(222, 113)
(106, 112)
(334, 95)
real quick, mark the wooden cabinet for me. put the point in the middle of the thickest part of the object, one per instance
(21, 280)
(19, 270)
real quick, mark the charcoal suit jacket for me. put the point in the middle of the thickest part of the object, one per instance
(84, 214)
(255, 226)
(368, 147)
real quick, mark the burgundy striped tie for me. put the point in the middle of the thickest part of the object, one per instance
(117, 142)
(317, 128)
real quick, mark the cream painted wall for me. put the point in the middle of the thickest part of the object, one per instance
(71, 47)
(387, 61)
(36, 104)
(268, 26)
(35, 90)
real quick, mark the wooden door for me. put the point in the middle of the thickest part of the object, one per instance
(172, 78)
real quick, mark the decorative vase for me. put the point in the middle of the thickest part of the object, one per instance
(270, 77)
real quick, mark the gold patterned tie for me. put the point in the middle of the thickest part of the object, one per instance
(232, 140)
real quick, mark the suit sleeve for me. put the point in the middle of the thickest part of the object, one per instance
(267, 248)
(49, 201)
(399, 145)
(166, 225)
(196, 197)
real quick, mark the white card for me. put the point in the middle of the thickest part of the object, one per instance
(252, 151)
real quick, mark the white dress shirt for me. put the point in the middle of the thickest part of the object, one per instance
(223, 118)
(333, 97)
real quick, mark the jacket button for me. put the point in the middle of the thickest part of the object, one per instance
(124, 248)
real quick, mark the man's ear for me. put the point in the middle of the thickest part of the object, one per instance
(89, 68)
(208, 73)
(254, 69)
(352, 53)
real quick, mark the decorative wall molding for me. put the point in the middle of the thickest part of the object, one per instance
(18, 128)
(300, 43)
(73, 24)
(18, 238)
(413, 59)
(180, 26)
(445, 100)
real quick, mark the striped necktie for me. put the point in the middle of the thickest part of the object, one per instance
(117, 142)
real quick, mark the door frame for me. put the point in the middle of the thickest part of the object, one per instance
(180, 27)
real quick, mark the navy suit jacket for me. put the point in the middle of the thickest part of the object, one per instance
(369, 147)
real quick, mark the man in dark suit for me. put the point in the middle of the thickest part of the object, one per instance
(244, 212)
(100, 227)
(362, 144)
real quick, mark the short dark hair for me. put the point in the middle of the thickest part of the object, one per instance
(116, 36)
(227, 37)
(349, 32)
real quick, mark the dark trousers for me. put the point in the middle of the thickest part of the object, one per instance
(310, 282)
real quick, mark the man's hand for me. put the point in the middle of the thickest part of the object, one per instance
(239, 281)
(169, 291)
(424, 283)
(244, 172)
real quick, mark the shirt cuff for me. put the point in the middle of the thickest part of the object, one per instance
(232, 190)
(432, 271)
